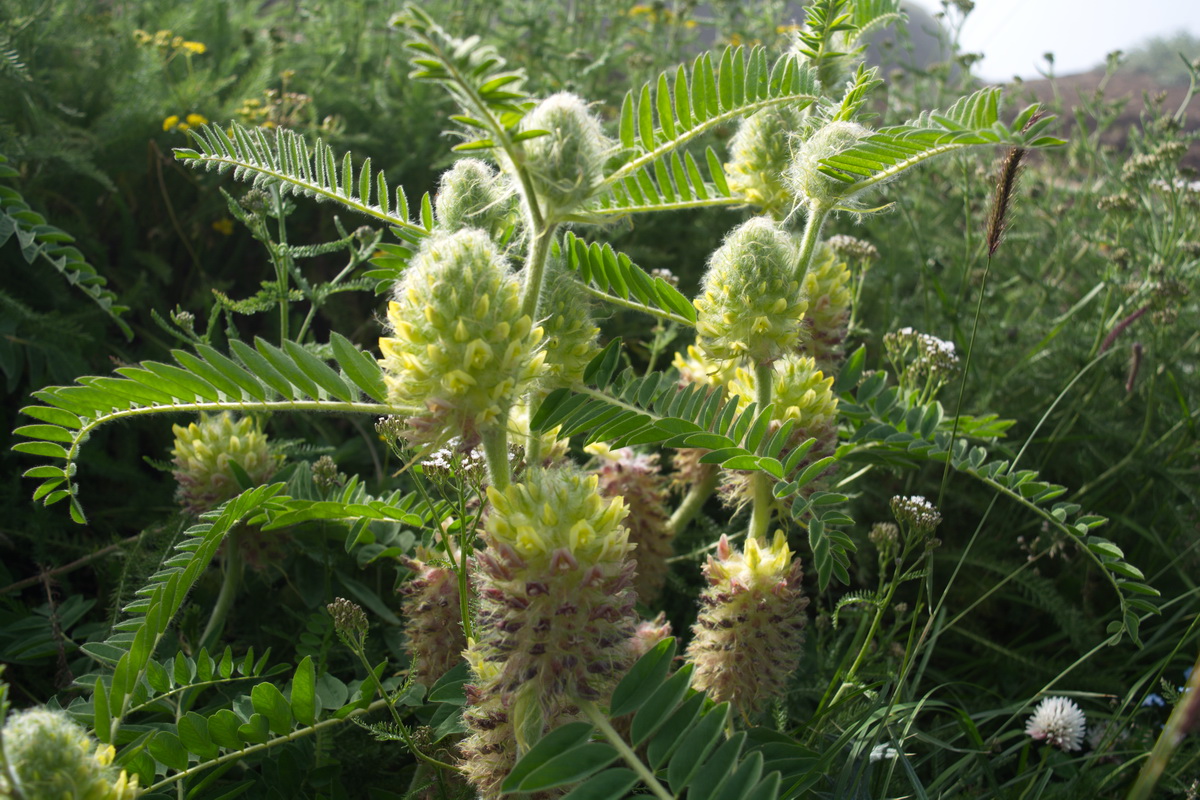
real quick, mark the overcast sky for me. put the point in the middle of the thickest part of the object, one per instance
(1013, 34)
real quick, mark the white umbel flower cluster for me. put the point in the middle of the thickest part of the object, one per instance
(1059, 722)
(917, 512)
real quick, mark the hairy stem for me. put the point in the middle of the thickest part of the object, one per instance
(817, 214)
(535, 270)
(760, 481)
(495, 452)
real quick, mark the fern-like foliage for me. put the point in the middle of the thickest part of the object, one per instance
(612, 277)
(836, 32)
(262, 378)
(39, 240)
(887, 428)
(11, 63)
(283, 159)
(679, 731)
(623, 409)
(475, 75)
(973, 120)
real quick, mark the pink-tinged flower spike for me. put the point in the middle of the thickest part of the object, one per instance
(638, 478)
(1058, 722)
(555, 612)
(749, 633)
(432, 615)
(459, 345)
(649, 633)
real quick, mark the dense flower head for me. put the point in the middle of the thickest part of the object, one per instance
(749, 632)
(1058, 722)
(569, 328)
(567, 164)
(460, 346)
(826, 289)
(921, 356)
(52, 756)
(432, 615)
(471, 194)
(204, 451)
(694, 366)
(638, 479)
(750, 304)
(800, 392)
(850, 247)
(759, 153)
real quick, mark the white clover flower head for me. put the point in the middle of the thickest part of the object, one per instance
(1058, 722)
(917, 512)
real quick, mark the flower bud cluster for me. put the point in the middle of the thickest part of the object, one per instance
(750, 304)
(916, 513)
(848, 248)
(749, 634)
(52, 756)
(570, 331)
(923, 357)
(804, 177)
(459, 345)
(759, 153)
(205, 450)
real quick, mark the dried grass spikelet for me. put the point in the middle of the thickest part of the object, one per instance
(555, 613)
(567, 165)
(759, 153)
(826, 289)
(459, 345)
(471, 194)
(203, 453)
(801, 393)
(638, 479)
(52, 756)
(748, 636)
(749, 305)
(432, 611)
(570, 331)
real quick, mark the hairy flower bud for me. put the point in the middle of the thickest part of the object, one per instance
(460, 346)
(52, 756)
(759, 153)
(803, 175)
(750, 304)
(204, 451)
(749, 633)
(555, 612)
(432, 616)
(567, 164)
(472, 194)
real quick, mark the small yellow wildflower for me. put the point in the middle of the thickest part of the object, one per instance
(193, 120)
(171, 122)
(223, 226)
(198, 48)
(787, 28)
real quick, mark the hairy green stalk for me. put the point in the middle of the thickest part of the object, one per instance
(230, 583)
(760, 481)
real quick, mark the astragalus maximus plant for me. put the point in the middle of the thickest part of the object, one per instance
(522, 580)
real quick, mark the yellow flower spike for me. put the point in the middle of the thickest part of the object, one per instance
(170, 122)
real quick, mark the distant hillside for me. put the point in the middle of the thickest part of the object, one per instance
(1132, 86)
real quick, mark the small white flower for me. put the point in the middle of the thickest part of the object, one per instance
(881, 751)
(1059, 722)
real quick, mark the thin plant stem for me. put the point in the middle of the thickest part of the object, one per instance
(230, 583)
(760, 513)
(817, 214)
(1184, 717)
(600, 721)
(694, 500)
(535, 271)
